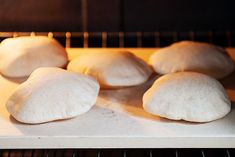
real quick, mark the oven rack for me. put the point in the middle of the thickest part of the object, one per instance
(225, 38)
(118, 153)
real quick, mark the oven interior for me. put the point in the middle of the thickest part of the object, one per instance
(119, 23)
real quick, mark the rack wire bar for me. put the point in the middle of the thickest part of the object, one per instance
(121, 39)
(68, 40)
(104, 39)
(229, 40)
(157, 39)
(150, 153)
(175, 36)
(192, 35)
(203, 154)
(210, 34)
(139, 39)
(228, 154)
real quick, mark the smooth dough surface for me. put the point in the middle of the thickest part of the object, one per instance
(21, 55)
(192, 56)
(188, 96)
(51, 94)
(112, 69)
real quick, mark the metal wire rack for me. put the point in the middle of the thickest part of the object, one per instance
(132, 39)
(119, 153)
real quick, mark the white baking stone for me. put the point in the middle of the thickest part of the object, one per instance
(117, 121)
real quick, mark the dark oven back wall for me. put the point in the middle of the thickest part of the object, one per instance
(116, 15)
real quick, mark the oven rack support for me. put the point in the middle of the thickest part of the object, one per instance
(118, 153)
(225, 38)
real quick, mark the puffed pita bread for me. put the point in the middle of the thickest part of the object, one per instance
(112, 69)
(192, 56)
(188, 96)
(51, 94)
(21, 55)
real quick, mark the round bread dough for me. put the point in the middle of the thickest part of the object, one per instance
(21, 55)
(51, 94)
(192, 56)
(188, 96)
(112, 69)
